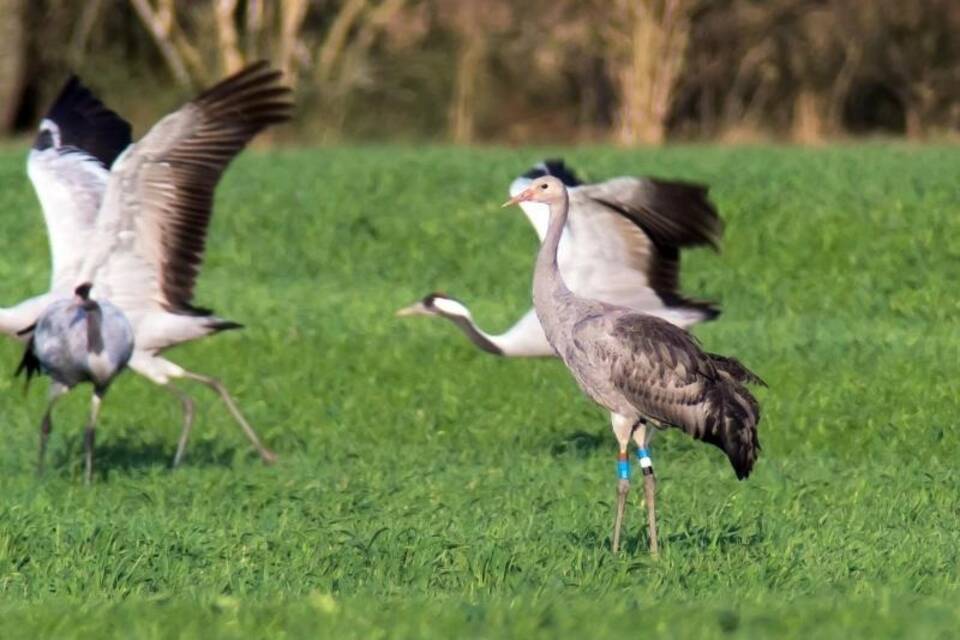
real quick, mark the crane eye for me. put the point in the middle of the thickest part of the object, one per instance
(543, 186)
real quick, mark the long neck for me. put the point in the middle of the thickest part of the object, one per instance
(547, 281)
(477, 337)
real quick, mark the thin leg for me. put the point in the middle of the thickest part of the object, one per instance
(46, 425)
(266, 455)
(188, 413)
(622, 428)
(89, 434)
(649, 484)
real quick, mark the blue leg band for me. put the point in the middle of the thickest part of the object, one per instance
(623, 468)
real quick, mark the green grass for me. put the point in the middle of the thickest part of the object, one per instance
(429, 490)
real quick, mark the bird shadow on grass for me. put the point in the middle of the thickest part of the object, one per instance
(126, 454)
(579, 443)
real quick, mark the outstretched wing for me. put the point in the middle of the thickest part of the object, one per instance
(151, 231)
(625, 240)
(669, 212)
(69, 164)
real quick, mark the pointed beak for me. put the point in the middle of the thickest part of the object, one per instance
(416, 309)
(523, 196)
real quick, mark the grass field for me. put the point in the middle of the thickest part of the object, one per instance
(429, 490)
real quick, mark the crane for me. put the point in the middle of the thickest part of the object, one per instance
(639, 367)
(75, 341)
(621, 244)
(132, 219)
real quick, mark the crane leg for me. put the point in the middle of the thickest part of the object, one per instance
(623, 488)
(89, 435)
(649, 483)
(46, 424)
(621, 429)
(186, 402)
(266, 455)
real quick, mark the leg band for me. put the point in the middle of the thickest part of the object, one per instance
(623, 466)
(646, 464)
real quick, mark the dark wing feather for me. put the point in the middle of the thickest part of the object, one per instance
(664, 373)
(231, 114)
(84, 123)
(29, 364)
(162, 190)
(555, 167)
(657, 218)
(672, 213)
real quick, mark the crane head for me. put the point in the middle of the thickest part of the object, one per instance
(436, 304)
(546, 189)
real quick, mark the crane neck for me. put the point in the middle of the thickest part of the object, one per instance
(477, 336)
(547, 281)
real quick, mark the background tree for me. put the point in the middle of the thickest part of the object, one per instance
(625, 71)
(12, 52)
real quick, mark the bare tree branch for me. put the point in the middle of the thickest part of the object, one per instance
(158, 22)
(227, 35)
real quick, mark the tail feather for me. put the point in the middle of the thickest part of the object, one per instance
(735, 369)
(731, 424)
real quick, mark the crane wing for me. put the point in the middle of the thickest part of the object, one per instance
(69, 164)
(664, 374)
(623, 244)
(151, 231)
(642, 223)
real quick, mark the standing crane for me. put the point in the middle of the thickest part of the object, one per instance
(639, 367)
(76, 341)
(135, 223)
(621, 244)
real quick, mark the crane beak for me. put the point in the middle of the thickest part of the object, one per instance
(416, 309)
(523, 196)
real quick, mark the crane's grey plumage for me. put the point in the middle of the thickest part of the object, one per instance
(76, 341)
(639, 367)
(621, 245)
(135, 223)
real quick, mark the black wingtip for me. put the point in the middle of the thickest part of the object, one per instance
(706, 309)
(557, 168)
(84, 122)
(29, 364)
(710, 311)
(693, 217)
(224, 325)
(27, 330)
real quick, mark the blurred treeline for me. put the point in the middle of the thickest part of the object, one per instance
(628, 71)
